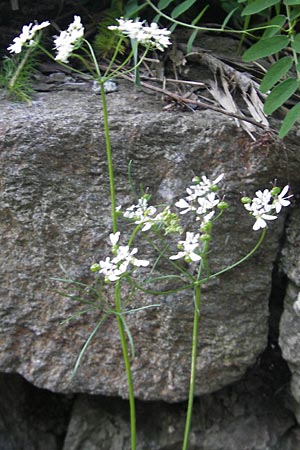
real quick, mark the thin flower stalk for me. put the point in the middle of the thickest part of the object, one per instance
(127, 364)
(195, 338)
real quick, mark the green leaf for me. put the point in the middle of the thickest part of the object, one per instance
(278, 22)
(191, 41)
(181, 8)
(295, 13)
(296, 43)
(195, 32)
(132, 8)
(266, 47)
(257, 6)
(275, 73)
(280, 94)
(291, 2)
(228, 17)
(292, 116)
(162, 4)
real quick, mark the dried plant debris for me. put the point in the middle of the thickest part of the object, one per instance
(236, 92)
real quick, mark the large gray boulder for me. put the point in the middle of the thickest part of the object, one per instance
(55, 209)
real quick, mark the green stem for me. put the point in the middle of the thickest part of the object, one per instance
(197, 294)
(116, 52)
(109, 160)
(127, 365)
(19, 69)
(118, 305)
(291, 36)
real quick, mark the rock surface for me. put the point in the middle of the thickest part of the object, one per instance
(290, 322)
(54, 204)
(244, 416)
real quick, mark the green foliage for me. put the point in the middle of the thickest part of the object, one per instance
(280, 34)
(16, 75)
(275, 73)
(106, 41)
(266, 47)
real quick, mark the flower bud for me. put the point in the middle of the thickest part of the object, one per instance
(214, 188)
(205, 237)
(206, 227)
(196, 180)
(95, 267)
(223, 205)
(246, 200)
(275, 191)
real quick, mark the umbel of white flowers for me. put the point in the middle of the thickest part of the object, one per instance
(151, 36)
(114, 268)
(26, 37)
(203, 202)
(70, 39)
(263, 206)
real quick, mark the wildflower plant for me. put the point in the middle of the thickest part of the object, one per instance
(203, 202)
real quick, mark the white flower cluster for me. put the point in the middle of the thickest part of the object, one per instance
(187, 248)
(69, 40)
(114, 268)
(201, 197)
(150, 36)
(262, 206)
(26, 37)
(141, 213)
(201, 200)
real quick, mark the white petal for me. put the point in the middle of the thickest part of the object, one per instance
(194, 256)
(114, 237)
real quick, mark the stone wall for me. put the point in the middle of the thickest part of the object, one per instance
(54, 204)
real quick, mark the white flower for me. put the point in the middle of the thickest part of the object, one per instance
(185, 206)
(280, 200)
(260, 220)
(151, 36)
(263, 204)
(114, 237)
(141, 213)
(206, 185)
(114, 268)
(208, 202)
(207, 218)
(26, 36)
(187, 247)
(110, 270)
(69, 40)
(201, 196)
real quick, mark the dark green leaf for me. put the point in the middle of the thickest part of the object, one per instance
(195, 32)
(257, 6)
(132, 8)
(280, 94)
(275, 73)
(228, 17)
(191, 41)
(296, 43)
(278, 22)
(295, 13)
(265, 47)
(292, 116)
(162, 4)
(181, 8)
